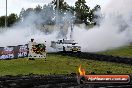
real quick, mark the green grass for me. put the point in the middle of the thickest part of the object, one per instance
(58, 64)
(122, 52)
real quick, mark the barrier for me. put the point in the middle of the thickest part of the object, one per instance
(13, 52)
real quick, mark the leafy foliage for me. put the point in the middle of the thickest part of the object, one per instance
(2, 21)
(81, 12)
(11, 19)
(63, 6)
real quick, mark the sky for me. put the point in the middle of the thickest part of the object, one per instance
(15, 6)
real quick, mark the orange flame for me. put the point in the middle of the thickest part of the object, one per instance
(81, 71)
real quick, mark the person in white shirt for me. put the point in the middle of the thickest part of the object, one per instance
(30, 49)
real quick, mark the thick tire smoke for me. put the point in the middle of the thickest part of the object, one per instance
(113, 31)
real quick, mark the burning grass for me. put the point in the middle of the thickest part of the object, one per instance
(58, 64)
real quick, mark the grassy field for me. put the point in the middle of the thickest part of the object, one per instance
(123, 52)
(58, 64)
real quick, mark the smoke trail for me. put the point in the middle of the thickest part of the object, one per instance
(31, 26)
(21, 36)
(115, 28)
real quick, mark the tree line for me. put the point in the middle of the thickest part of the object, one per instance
(82, 13)
(11, 19)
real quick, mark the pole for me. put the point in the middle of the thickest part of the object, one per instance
(71, 32)
(57, 4)
(57, 13)
(6, 16)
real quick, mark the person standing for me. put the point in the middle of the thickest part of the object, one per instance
(30, 49)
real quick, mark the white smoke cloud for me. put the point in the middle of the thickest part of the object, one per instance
(115, 29)
(23, 31)
(119, 7)
(20, 36)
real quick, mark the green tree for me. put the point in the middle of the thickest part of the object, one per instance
(38, 9)
(2, 21)
(24, 13)
(12, 19)
(63, 6)
(21, 15)
(47, 14)
(82, 11)
(96, 12)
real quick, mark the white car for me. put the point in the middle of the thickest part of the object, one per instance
(66, 45)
